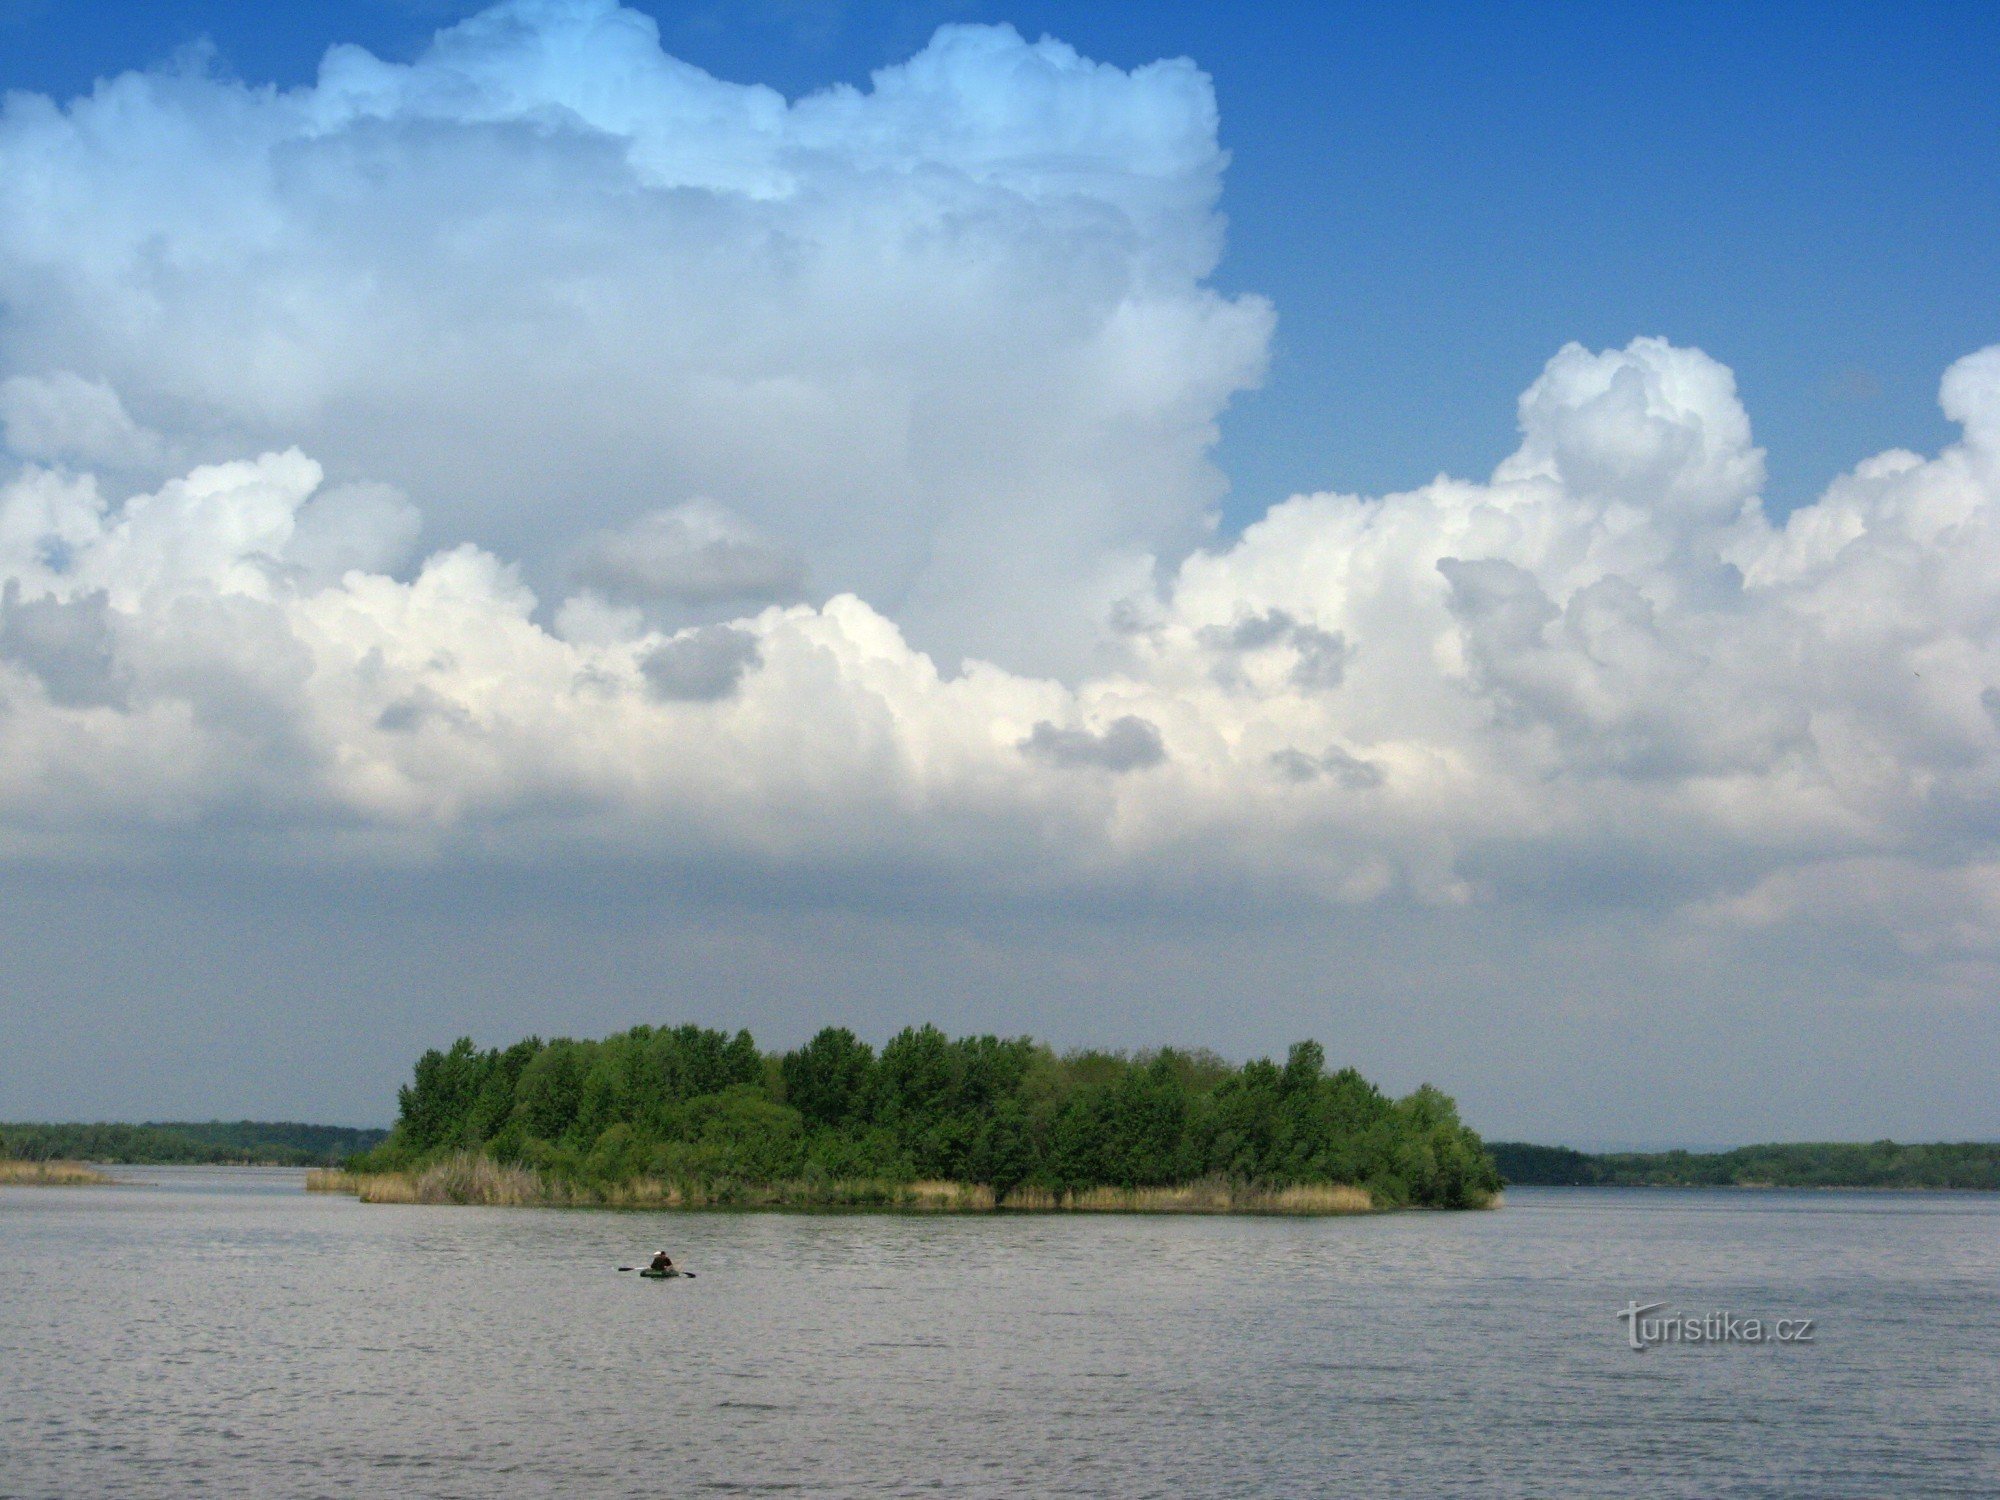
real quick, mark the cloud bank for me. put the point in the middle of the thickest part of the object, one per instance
(656, 355)
(946, 339)
(1604, 659)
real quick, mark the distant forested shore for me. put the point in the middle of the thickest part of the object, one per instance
(686, 1116)
(189, 1143)
(1876, 1164)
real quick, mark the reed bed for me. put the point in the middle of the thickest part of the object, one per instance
(949, 1197)
(469, 1179)
(464, 1178)
(1211, 1196)
(472, 1179)
(50, 1174)
(387, 1187)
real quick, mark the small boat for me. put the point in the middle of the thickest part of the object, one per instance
(652, 1275)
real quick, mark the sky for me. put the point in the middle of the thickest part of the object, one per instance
(1463, 532)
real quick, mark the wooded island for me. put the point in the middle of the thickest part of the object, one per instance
(691, 1117)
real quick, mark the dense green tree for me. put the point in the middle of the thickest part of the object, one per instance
(691, 1104)
(1145, 1124)
(1077, 1157)
(1005, 1154)
(828, 1080)
(493, 1108)
(551, 1090)
(437, 1104)
(1247, 1124)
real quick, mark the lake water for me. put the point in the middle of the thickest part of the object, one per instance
(224, 1333)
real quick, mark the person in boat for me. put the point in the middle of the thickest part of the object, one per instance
(662, 1262)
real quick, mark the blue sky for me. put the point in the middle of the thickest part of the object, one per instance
(516, 535)
(1437, 197)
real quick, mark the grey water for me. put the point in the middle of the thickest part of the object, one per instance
(221, 1332)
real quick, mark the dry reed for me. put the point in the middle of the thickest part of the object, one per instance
(468, 1178)
(50, 1174)
(387, 1187)
(1209, 1196)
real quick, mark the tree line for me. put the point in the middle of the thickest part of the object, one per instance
(1825, 1164)
(242, 1142)
(690, 1104)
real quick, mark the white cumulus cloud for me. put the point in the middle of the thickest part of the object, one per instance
(1570, 667)
(653, 354)
(947, 339)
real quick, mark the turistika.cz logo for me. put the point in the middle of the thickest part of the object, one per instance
(1643, 1331)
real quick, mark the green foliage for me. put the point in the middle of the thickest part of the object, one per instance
(1876, 1164)
(434, 1109)
(700, 1107)
(830, 1079)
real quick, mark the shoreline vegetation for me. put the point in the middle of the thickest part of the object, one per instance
(465, 1178)
(1967, 1166)
(686, 1117)
(258, 1143)
(51, 1174)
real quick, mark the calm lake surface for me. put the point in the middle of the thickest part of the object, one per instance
(222, 1332)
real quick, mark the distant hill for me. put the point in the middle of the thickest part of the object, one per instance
(179, 1142)
(1875, 1164)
